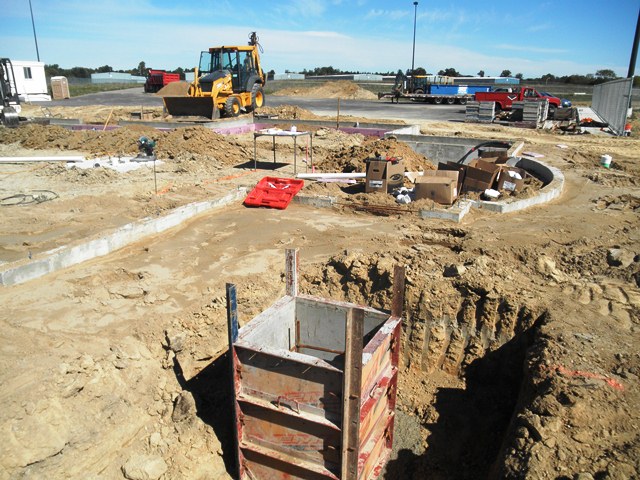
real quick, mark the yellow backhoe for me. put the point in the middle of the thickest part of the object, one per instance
(228, 81)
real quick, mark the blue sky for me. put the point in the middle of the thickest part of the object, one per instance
(530, 37)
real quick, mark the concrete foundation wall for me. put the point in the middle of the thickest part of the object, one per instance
(439, 149)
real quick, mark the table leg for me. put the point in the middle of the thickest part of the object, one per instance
(274, 149)
(295, 148)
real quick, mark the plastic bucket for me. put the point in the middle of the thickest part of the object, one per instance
(605, 161)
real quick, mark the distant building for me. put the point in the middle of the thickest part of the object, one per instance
(288, 76)
(31, 82)
(357, 77)
(116, 77)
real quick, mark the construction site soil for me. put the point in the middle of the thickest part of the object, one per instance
(520, 339)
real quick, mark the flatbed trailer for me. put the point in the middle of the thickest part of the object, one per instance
(437, 99)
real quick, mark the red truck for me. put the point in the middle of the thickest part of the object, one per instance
(158, 79)
(505, 96)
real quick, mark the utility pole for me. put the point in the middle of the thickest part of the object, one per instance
(415, 16)
(33, 24)
(634, 50)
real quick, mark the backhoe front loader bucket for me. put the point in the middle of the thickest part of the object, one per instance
(192, 107)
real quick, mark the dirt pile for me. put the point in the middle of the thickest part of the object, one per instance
(287, 112)
(174, 89)
(337, 89)
(352, 158)
(188, 142)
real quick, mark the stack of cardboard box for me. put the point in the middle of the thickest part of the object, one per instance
(443, 185)
(384, 175)
(451, 178)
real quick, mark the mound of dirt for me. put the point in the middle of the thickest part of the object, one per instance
(174, 89)
(288, 112)
(123, 141)
(339, 89)
(352, 158)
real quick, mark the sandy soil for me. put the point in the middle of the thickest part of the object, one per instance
(333, 89)
(519, 345)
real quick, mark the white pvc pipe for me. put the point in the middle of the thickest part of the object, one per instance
(332, 175)
(41, 159)
(343, 175)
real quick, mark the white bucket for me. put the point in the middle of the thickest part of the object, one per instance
(294, 128)
(605, 161)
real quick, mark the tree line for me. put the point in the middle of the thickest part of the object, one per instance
(600, 76)
(54, 70)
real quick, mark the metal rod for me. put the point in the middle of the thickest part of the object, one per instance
(232, 334)
(255, 160)
(320, 349)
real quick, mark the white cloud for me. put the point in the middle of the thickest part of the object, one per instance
(522, 48)
(386, 14)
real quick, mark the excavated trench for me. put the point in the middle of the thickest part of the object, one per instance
(457, 431)
(463, 356)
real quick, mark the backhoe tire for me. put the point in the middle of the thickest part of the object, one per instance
(232, 107)
(257, 96)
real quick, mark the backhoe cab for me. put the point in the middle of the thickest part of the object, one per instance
(228, 80)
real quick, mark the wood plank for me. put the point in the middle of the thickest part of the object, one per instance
(397, 305)
(232, 337)
(354, 338)
(291, 274)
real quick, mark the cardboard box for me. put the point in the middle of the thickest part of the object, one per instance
(511, 179)
(440, 189)
(497, 159)
(480, 175)
(493, 155)
(454, 167)
(384, 176)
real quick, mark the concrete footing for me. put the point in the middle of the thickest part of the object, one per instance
(552, 178)
(63, 257)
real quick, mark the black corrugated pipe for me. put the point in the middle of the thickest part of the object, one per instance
(491, 143)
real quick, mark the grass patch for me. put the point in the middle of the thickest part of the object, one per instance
(79, 90)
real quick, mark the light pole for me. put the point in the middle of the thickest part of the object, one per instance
(33, 24)
(415, 16)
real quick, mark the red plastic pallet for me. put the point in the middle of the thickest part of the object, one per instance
(273, 192)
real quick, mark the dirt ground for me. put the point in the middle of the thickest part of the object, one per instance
(519, 355)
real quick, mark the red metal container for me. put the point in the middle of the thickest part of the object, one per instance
(315, 385)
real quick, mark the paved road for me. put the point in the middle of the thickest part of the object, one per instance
(408, 111)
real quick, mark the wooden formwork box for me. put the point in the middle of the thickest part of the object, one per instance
(315, 384)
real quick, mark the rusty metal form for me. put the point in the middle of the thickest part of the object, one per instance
(315, 384)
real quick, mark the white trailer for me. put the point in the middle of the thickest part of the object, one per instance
(31, 82)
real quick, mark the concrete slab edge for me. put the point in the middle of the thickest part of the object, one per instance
(66, 256)
(455, 214)
(319, 201)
